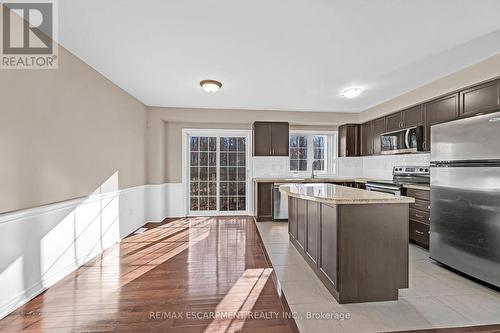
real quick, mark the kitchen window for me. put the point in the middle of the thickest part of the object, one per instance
(312, 151)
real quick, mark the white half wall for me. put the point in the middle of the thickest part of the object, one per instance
(165, 200)
(40, 246)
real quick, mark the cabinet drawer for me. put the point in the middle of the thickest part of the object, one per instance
(422, 205)
(419, 233)
(419, 216)
(418, 194)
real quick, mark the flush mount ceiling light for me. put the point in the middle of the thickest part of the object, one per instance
(210, 86)
(352, 92)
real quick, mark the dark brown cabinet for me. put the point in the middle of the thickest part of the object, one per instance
(301, 222)
(328, 259)
(394, 121)
(271, 138)
(349, 140)
(480, 99)
(313, 218)
(264, 202)
(292, 217)
(438, 111)
(419, 217)
(378, 128)
(413, 116)
(366, 141)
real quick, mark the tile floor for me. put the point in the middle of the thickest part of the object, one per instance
(436, 298)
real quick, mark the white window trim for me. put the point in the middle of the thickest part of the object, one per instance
(330, 159)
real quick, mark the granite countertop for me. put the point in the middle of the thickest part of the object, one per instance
(340, 195)
(333, 180)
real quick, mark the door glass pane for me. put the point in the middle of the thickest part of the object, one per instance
(232, 186)
(203, 173)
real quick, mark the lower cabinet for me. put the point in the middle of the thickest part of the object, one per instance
(419, 217)
(301, 222)
(264, 202)
(328, 260)
(313, 225)
(292, 217)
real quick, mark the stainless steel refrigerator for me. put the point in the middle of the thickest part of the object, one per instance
(465, 196)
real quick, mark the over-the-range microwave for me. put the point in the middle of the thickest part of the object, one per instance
(410, 140)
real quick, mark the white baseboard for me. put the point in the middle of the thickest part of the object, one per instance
(42, 245)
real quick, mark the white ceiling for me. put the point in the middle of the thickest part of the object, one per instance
(278, 54)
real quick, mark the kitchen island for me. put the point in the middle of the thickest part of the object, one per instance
(356, 241)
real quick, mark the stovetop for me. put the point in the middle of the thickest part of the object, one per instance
(405, 176)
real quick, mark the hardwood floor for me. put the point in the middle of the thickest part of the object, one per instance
(187, 275)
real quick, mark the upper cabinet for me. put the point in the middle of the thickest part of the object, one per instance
(479, 99)
(366, 142)
(394, 121)
(378, 128)
(349, 140)
(441, 109)
(270, 138)
(438, 111)
(413, 116)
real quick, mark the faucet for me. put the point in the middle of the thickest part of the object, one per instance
(312, 173)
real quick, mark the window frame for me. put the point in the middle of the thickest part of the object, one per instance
(331, 152)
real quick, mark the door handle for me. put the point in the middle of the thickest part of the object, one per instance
(407, 139)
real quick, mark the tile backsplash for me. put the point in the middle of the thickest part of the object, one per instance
(368, 166)
(381, 166)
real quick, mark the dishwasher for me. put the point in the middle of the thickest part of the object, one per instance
(280, 204)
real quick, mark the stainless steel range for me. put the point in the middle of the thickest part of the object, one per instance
(401, 175)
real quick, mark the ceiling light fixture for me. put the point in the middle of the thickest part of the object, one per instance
(210, 86)
(352, 92)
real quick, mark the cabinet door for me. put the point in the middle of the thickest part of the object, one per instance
(312, 245)
(262, 139)
(292, 216)
(413, 116)
(394, 121)
(280, 134)
(482, 98)
(265, 201)
(301, 222)
(378, 128)
(366, 139)
(438, 111)
(348, 140)
(328, 261)
(342, 140)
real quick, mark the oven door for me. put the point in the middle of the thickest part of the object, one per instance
(402, 141)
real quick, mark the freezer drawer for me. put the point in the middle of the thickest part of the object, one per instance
(465, 220)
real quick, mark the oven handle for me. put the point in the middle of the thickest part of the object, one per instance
(382, 187)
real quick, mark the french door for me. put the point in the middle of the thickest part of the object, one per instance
(217, 175)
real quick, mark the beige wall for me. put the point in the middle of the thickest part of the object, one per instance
(63, 132)
(482, 71)
(165, 131)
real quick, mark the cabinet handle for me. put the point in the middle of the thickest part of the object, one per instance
(417, 215)
(423, 144)
(419, 232)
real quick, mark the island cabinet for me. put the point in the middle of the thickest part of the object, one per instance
(270, 138)
(358, 251)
